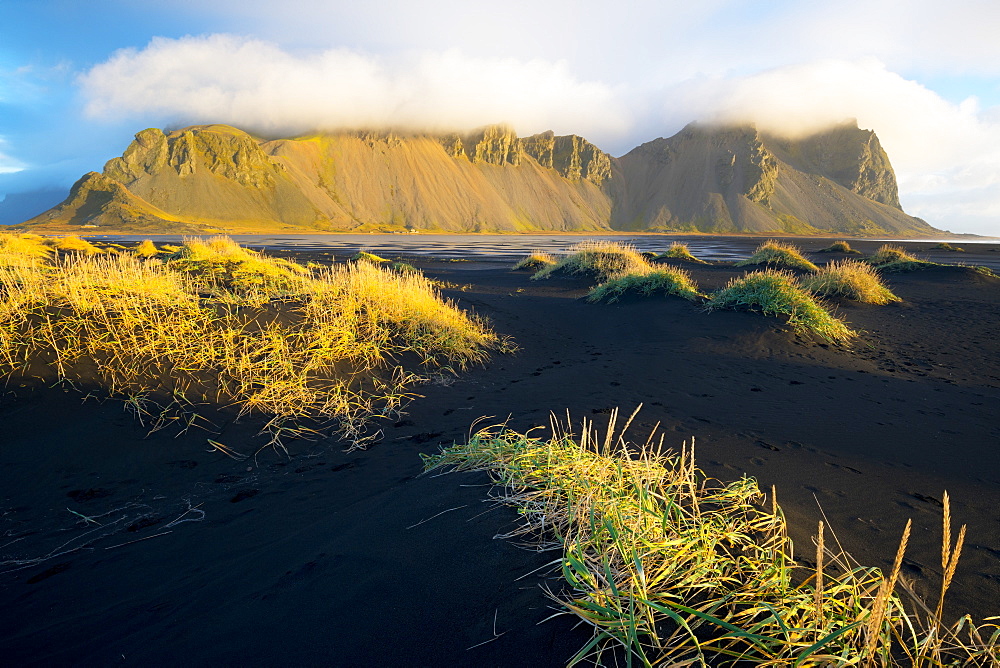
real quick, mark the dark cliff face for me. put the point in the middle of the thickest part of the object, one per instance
(705, 178)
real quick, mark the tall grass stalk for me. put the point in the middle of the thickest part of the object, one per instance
(678, 569)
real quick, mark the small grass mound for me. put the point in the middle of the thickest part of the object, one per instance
(534, 262)
(404, 267)
(147, 249)
(891, 258)
(600, 260)
(221, 267)
(839, 247)
(943, 246)
(657, 281)
(779, 255)
(368, 257)
(73, 244)
(850, 279)
(679, 251)
(776, 293)
(679, 569)
(18, 250)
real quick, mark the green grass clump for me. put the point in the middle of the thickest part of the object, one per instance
(943, 246)
(679, 569)
(679, 251)
(368, 257)
(780, 255)
(658, 280)
(776, 293)
(839, 247)
(146, 249)
(599, 260)
(534, 262)
(892, 259)
(310, 347)
(404, 267)
(850, 279)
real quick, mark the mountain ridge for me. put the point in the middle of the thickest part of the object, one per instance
(715, 179)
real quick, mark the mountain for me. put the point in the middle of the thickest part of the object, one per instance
(214, 178)
(737, 179)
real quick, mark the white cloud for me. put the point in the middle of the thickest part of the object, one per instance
(9, 165)
(255, 84)
(946, 156)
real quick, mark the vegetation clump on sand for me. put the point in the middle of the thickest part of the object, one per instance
(780, 255)
(776, 293)
(18, 250)
(658, 280)
(839, 247)
(851, 279)
(219, 323)
(891, 258)
(679, 251)
(146, 249)
(944, 246)
(73, 244)
(600, 260)
(368, 257)
(534, 262)
(676, 568)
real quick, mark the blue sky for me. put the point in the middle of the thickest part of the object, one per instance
(78, 79)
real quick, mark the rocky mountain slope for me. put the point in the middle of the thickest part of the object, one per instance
(708, 179)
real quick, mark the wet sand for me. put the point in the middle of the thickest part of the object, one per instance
(356, 559)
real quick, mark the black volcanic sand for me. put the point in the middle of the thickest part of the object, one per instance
(356, 559)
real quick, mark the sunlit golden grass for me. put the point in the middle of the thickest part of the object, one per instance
(23, 249)
(679, 251)
(850, 279)
(655, 281)
(146, 249)
(368, 257)
(891, 258)
(534, 262)
(73, 244)
(776, 293)
(779, 255)
(599, 260)
(678, 569)
(232, 327)
(839, 247)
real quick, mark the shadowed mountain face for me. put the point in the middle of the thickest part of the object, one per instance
(730, 179)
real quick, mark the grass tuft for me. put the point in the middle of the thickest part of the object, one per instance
(656, 281)
(600, 260)
(147, 249)
(678, 569)
(893, 259)
(368, 257)
(73, 244)
(850, 279)
(679, 251)
(18, 250)
(534, 262)
(944, 246)
(776, 293)
(223, 324)
(779, 255)
(839, 247)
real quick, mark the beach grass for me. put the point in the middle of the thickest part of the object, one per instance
(655, 281)
(674, 568)
(535, 261)
(778, 255)
(219, 323)
(599, 260)
(679, 251)
(839, 247)
(892, 258)
(146, 249)
(777, 293)
(850, 279)
(368, 257)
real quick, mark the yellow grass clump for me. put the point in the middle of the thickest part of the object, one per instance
(221, 324)
(73, 244)
(850, 279)
(779, 255)
(657, 280)
(599, 260)
(680, 251)
(147, 249)
(678, 569)
(840, 247)
(534, 262)
(23, 249)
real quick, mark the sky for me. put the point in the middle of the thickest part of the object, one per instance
(79, 79)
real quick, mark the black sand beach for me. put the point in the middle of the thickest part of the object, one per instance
(122, 548)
